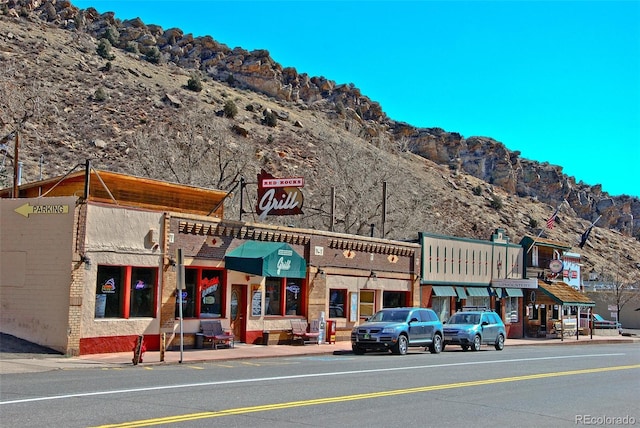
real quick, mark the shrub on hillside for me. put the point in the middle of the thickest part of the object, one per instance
(153, 55)
(104, 49)
(230, 109)
(100, 95)
(496, 202)
(270, 119)
(194, 84)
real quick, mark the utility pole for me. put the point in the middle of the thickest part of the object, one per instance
(16, 166)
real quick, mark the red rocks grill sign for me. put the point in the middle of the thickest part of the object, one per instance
(278, 196)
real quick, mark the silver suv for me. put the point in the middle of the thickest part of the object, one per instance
(397, 329)
(471, 329)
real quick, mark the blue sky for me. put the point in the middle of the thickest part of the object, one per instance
(558, 81)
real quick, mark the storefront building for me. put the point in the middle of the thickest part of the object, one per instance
(459, 273)
(554, 308)
(92, 260)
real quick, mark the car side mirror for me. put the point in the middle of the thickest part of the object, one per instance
(484, 323)
(414, 320)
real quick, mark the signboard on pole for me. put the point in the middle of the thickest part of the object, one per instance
(279, 196)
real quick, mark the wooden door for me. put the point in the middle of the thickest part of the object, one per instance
(238, 311)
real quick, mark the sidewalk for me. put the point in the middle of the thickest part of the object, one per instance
(239, 351)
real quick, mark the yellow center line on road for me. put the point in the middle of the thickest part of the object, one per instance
(354, 397)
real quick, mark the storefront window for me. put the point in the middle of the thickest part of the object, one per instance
(143, 284)
(118, 285)
(367, 303)
(210, 293)
(189, 296)
(394, 299)
(110, 292)
(272, 297)
(511, 309)
(477, 302)
(441, 305)
(337, 299)
(294, 297)
(284, 296)
(203, 294)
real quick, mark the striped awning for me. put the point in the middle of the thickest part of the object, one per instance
(461, 293)
(477, 291)
(443, 290)
(513, 292)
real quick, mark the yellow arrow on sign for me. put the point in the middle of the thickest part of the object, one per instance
(28, 209)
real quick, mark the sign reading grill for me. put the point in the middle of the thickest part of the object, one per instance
(278, 196)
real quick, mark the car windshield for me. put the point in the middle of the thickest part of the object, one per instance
(390, 316)
(464, 319)
(598, 317)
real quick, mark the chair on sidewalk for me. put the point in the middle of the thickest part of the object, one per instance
(212, 330)
(299, 331)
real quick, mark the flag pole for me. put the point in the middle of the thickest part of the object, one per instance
(555, 213)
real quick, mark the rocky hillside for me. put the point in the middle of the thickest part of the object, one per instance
(136, 98)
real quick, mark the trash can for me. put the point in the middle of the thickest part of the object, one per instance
(199, 340)
(265, 337)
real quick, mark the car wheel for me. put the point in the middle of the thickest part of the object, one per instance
(465, 347)
(401, 345)
(477, 342)
(500, 342)
(357, 350)
(436, 344)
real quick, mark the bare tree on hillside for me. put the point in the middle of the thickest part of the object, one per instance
(357, 173)
(194, 149)
(20, 101)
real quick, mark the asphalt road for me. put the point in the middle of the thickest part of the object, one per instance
(526, 386)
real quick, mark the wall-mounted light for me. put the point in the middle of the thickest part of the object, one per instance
(322, 273)
(373, 276)
(86, 260)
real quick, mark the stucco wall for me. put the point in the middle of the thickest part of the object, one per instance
(36, 249)
(118, 236)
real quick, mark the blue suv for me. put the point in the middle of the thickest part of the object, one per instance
(397, 329)
(472, 329)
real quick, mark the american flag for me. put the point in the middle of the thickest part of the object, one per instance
(552, 219)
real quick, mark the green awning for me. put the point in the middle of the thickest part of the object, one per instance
(513, 292)
(272, 259)
(443, 290)
(461, 293)
(477, 291)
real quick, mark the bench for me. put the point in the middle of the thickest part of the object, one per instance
(565, 328)
(299, 331)
(212, 330)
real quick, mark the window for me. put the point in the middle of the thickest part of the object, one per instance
(367, 303)
(203, 294)
(441, 306)
(143, 284)
(337, 299)
(394, 299)
(511, 308)
(477, 301)
(283, 296)
(126, 292)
